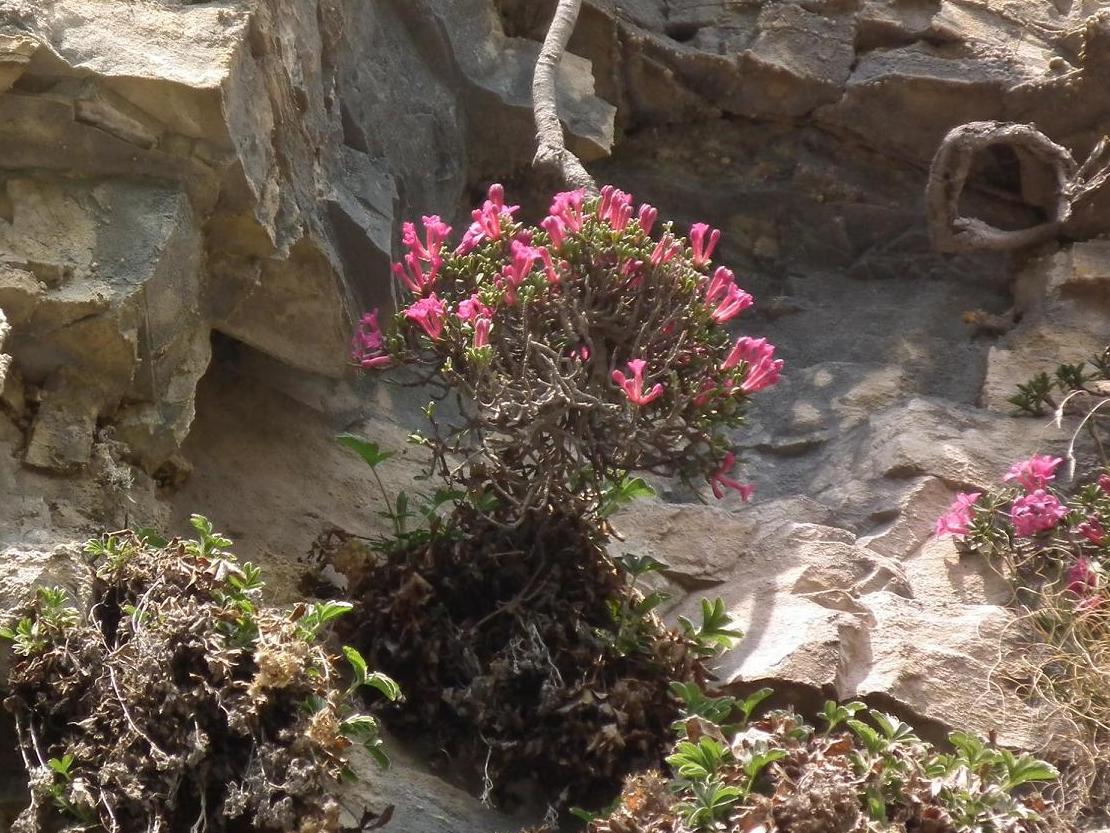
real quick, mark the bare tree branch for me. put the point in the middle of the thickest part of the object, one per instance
(551, 149)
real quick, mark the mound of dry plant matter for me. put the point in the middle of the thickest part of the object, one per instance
(176, 703)
(501, 639)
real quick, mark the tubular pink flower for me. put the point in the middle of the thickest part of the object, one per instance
(548, 266)
(1036, 512)
(512, 276)
(1035, 472)
(481, 332)
(703, 248)
(720, 480)
(763, 370)
(556, 229)
(435, 233)
(1082, 579)
(411, 273)
(1092, 530)
(956, 520)
(1104, 483)
(634, 388)
(567, 208)
(646, 216)
(736, 300)
(487, 220)
(615, 207)
(430, 314)
(581, 353)
(472, 307)
(665, 250)
(368, 344)
(718, 286)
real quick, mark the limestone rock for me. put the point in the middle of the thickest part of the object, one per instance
(1065, 296)
(5, 360)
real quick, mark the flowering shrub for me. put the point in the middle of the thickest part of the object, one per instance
(1033, 523)
(1054, 546)
(585, 347)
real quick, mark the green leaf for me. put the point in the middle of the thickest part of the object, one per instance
(358, 664)
(870, 737)
(759, 761)
(1025, 769)
(386, 685)
(369, 451)
(749, 703)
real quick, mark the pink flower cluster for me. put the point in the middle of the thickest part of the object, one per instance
(487, 220)
(958, 517)
(505, 270)
(1034, 473)
(763, 369)
(368, 347)
(1035, 513)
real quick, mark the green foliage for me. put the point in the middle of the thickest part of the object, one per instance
(725, 777)
(716, 632)
(1037, 395)
(622, 491)
(53, 617)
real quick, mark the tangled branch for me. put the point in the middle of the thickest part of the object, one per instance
(951, 166)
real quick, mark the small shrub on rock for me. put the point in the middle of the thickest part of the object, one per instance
(1051, 539)
(177, 701)
(777, 774)
(583, 351)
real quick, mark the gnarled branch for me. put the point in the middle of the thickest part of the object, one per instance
(952, 164)
(551, 149)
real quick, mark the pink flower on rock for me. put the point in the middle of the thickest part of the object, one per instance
(955, 521)
(566, 207)
(665, 250)
(524, 258)
(702, 245)
(1104, 483)
(430, 314)
(548, 266)
(472, 307)
(1082, 578)
(763, 369)
(411, 273)
(634, 388)
(1035, 472)
(615, 207)
(581, 353)
(1036, 512)
(646, 216)
(435, 233)
(720, 480)
(1092, 530)
(368, 345)
(487, 220)
(481, 332)
(736, 300)
(556, 229)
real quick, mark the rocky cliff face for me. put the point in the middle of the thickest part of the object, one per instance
(197, 199)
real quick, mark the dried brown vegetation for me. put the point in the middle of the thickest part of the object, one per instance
(504, 641)
(176, 702)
